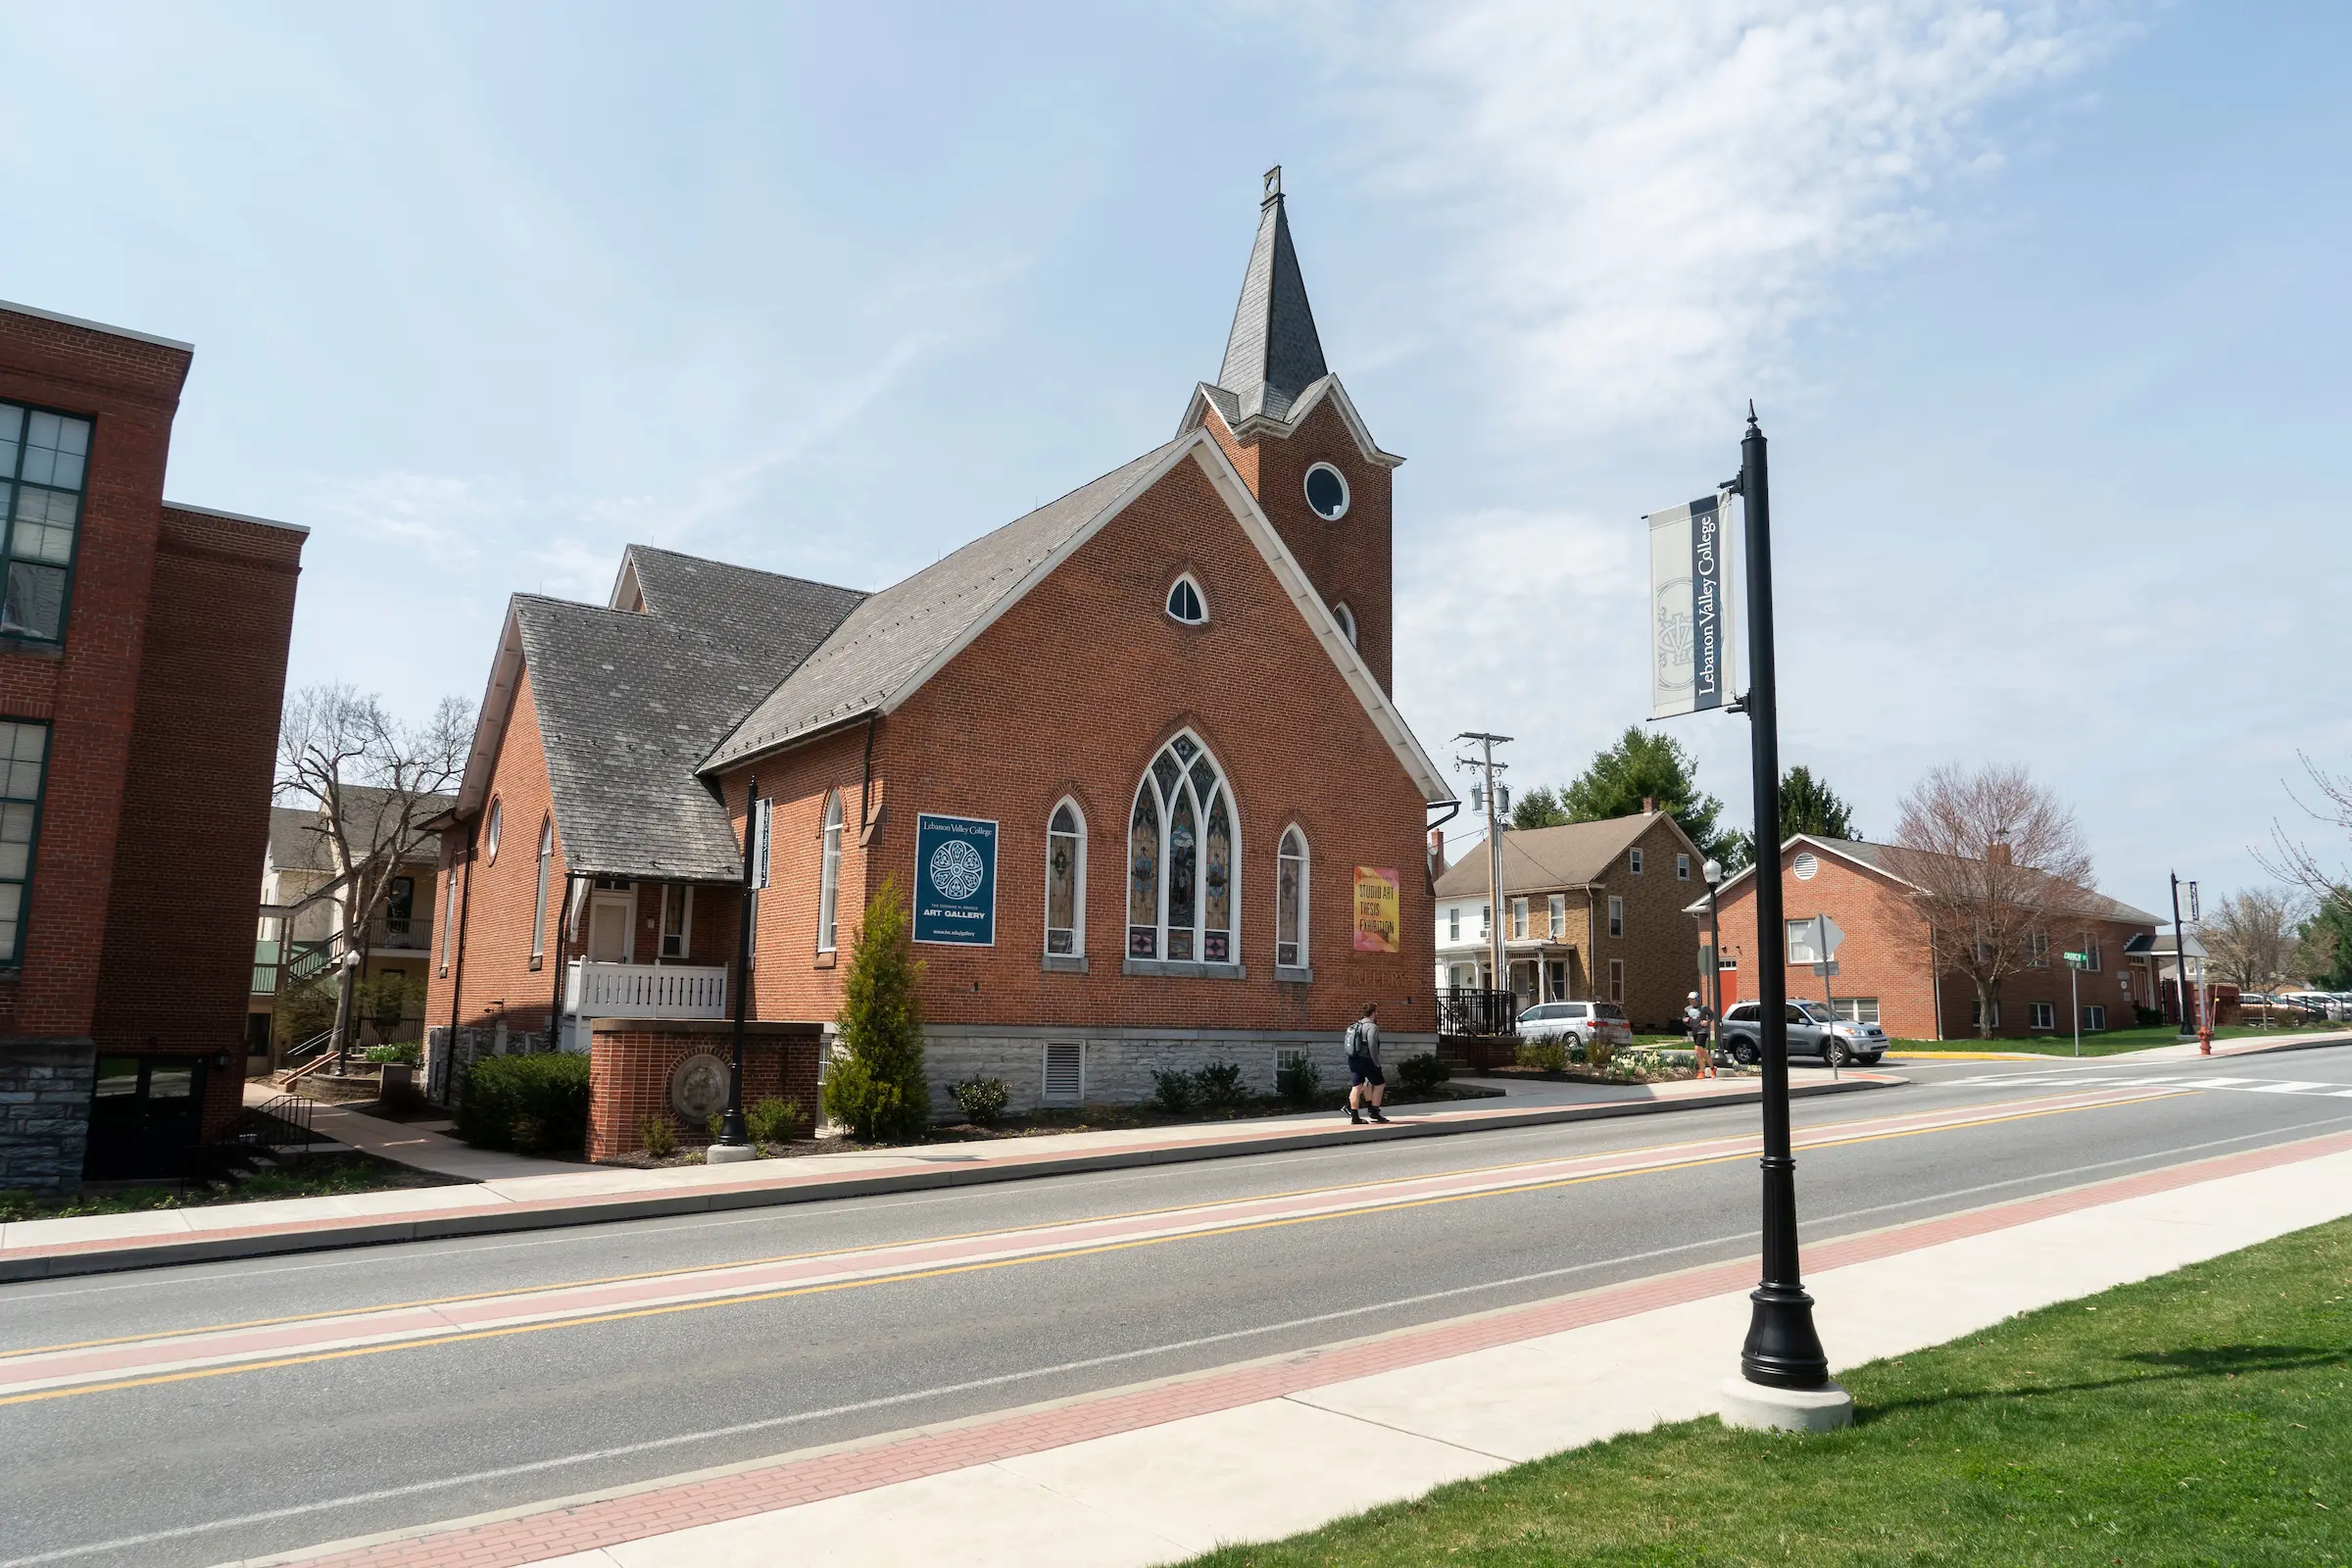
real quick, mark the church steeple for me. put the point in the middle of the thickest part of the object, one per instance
(1272, 355)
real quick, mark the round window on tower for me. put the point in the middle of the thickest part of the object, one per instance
(1327, 492)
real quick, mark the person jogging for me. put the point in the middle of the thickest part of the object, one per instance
(1364, 1078)
(1699, 1022)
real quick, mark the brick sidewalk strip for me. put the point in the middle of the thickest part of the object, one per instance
(917, 1172)
(31, 1372)
(561, 1529)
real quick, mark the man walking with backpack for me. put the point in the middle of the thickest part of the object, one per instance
(1364, 1078)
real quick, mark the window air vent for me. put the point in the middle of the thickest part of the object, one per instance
(1066, 1074)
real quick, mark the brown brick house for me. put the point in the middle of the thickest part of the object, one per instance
(1591, 911)
(1132, 757)
(1887, 967)
(142, 658)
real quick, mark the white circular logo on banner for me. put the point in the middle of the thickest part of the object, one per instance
(1804, 866)
(1676, 642)
(956, 870)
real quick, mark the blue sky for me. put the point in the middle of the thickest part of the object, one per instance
(2041, 304)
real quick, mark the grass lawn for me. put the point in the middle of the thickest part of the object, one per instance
(2106, 1044)
(2202, 1417)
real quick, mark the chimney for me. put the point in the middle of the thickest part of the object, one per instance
(1998, 852)
(1650, 806)
(1436, 852)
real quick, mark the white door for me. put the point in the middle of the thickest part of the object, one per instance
(609, 928)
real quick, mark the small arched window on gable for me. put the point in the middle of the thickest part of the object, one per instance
(1066, 882)
(828, 878)
(1185, 602)
(1346, 619)
(1290, 902)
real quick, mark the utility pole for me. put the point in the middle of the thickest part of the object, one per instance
(2179, 962)
(1488, 767)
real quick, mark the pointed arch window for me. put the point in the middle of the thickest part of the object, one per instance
(546, 854)
(1290, 902)
(828, 878)
(1066, 882)
(1181, 858)
(1186, 602)
(1346, 619)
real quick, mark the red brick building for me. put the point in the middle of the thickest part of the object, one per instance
(142, 658)
(1132, 759)
(1888, 969)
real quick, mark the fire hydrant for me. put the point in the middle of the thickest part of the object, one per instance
(2205, 1042)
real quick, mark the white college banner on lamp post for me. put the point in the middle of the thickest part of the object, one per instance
(1689, 609)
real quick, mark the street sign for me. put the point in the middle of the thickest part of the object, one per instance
(1825, 970)
(2078, 959)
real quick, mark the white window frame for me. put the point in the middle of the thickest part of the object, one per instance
(1681, 868)
(1975, 1013)
(1853, 1009)
(1485, 922)
(1077, 931)
(1556, 915)
(1167, 603)
(1616, 915)
(1221, 790)
(2090, 950)
(1346, 619)
(683, 892)
(1518, 919)
(546, 854)
(2041, 1017)
(2038, 949)
(1634, 860)
(2095, 1017)
(1617, 981)
(1454, 922)
(498, 813)
(1347, 490)
(828, 879)
(449, 915)
(1300, 959)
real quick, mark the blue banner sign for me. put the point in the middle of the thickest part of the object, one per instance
(955, 880)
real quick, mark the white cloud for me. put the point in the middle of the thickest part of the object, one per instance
(1649, 197)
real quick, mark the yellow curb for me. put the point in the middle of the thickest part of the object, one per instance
(1971, 1056)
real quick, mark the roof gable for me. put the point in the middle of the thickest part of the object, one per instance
(1873, 859)
(1538, 860)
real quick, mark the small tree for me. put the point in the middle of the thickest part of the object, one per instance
(1997, 868)
(2251, 936)
(385, 1000)
(876, 1087)
(2323, 955)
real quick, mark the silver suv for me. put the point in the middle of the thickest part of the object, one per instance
(1812, 1032)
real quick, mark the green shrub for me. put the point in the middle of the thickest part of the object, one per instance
(1175, 1090)
(1423, 1073)
(404, 1052)
(981, 1099)
(876, 1088)
(536, 1103)
(659, 1132)
(772, 1120)
(305, 1009)
(1299, 1080)
(2148, 1017)
(1546, 1056)
(1220, 1085)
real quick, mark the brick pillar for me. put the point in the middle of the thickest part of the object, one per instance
(630, 1063)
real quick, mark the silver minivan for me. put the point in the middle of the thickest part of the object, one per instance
(1812, 1032)
(1577, 1022)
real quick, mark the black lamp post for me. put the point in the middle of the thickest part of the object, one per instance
(732, 1134)
(1781, 1349)
(1712, 871)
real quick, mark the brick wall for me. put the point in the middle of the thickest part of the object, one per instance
(178, 950)
(1661, 945)
(630, 1066)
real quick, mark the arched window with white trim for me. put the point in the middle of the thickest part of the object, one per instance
(547, 854)
(1066, 882)
(828, 878)
(1290, 902)
(1186, 602)
(1180, 853)
(1346, 619)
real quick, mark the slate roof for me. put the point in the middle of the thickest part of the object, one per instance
(298, 841)
(1877, 856)
(1543, 859)
(630, 702)
(889, 638)
(1273, 353)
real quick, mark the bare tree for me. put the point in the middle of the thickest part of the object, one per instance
(375, 783)
(2291, 860)
(2251, 935)
(1997, 868)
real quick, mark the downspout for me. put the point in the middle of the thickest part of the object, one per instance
(1592, 939)
(865, 777)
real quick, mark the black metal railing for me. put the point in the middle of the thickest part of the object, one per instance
(284, 1122)
(1469, 1012)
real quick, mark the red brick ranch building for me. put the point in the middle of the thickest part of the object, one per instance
(1887, 968)
(1131, 758)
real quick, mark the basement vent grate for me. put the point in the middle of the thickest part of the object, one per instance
(1066, 1074)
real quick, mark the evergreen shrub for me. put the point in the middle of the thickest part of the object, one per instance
(981, 1099)
(536, 1103)
(1299, 1080)
(876, 1087)
(1423, 1073)
(1545, 1055)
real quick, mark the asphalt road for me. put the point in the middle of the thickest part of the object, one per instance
(257, 1458)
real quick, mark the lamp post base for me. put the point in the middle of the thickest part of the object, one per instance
(729, 1153)
(1760, 1407)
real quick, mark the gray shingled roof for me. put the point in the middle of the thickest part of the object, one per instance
(298, 837)
(1876, 857)
(1273, 353)
(1542, 859)
(630, 702)
(892, 635)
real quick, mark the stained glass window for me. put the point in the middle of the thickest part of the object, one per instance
(1183, 826)
(1290, 903)
(1065, 861)
(828, 879)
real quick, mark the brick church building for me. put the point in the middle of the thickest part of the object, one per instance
(1131, 760)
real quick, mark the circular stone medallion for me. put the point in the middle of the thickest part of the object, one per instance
(698, 1088)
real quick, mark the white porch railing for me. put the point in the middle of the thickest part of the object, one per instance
(645, 991)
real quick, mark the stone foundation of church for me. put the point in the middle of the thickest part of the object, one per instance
(1116, 1065)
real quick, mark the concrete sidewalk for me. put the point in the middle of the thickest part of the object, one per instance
(1157, 1472)
(589, 1194)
